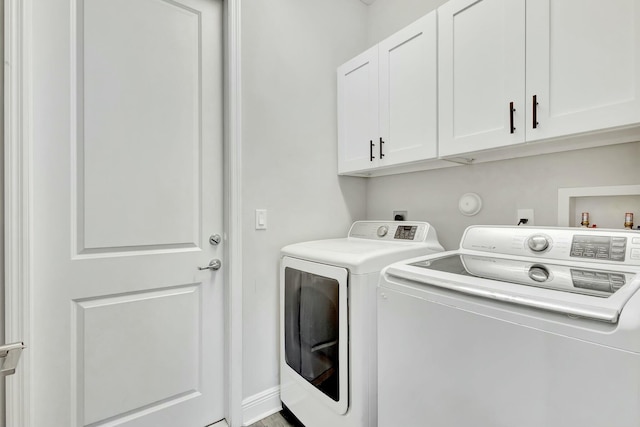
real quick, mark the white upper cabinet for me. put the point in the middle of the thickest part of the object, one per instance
(409, 93)
(583, 65)
(358, 112)
(387, 101)
(491, 79)
(482, 71)
(568, 66)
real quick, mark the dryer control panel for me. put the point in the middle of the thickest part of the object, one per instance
(401, 231)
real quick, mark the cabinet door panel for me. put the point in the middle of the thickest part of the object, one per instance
(481, 71)
(358, 112)
(583, 63)
(408, 93)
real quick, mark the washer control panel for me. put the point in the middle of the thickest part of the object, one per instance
(599, 247)
(561, 243)
(400, 231)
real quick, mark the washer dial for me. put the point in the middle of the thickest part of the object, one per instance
(539, 273)
(539, 243)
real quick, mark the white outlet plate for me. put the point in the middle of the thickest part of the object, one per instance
(525, 213)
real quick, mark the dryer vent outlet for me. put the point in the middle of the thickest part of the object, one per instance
(399, 215)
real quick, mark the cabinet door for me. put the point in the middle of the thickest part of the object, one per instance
(583, 65)
(481, 72)
(358, 113)
(409, 93)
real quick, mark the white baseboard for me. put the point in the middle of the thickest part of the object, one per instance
(261, 405)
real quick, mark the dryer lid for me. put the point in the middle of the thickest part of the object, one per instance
(370, 245)
(360, 256)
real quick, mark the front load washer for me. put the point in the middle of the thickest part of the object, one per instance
(521, 326)
(328, 319)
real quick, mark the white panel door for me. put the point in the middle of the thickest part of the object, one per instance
(358, 113)
(409, 93)
(583, 66)
(127, 185)
(481, 74)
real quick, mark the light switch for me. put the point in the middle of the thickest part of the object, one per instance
(261, 219)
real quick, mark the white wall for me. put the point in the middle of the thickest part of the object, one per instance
(290, 52)
(504, 186)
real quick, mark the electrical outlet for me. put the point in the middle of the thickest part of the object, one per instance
(400, 215)
(525, 213)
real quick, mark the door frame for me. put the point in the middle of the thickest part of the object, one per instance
(19, 209)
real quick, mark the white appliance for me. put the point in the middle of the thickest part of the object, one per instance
(328, 318)
(521, 326)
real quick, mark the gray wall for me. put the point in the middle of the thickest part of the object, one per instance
(504, 187)
(385, 17)
(290, 52)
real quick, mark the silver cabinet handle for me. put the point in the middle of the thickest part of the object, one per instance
(214, 264)
(9, 357)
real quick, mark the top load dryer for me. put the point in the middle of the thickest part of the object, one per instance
(328, 319)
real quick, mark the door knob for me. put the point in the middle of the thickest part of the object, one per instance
(214, 264)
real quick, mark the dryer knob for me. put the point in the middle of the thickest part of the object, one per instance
(382, 231)
(538, 243)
